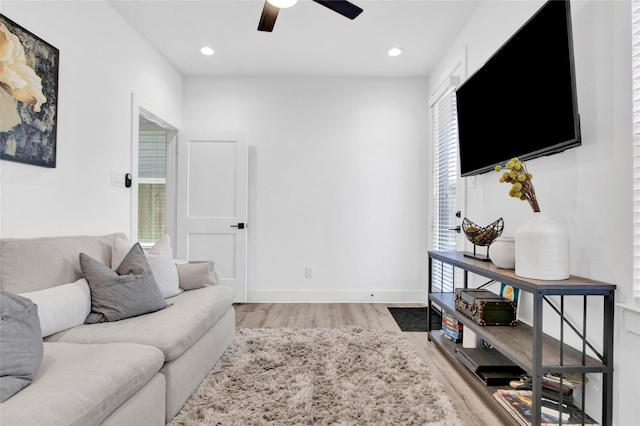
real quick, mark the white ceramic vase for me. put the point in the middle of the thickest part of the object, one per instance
(542, 249)
(502, 252)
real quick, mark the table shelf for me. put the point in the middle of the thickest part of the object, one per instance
(526, 345)
(447, 348)
(516, 342)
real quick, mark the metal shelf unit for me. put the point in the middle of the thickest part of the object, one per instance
(534, 351)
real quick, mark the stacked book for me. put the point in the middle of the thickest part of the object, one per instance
(519, 404)
(451, 328)
(551, 386)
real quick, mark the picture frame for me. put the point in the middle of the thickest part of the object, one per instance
(28, 96)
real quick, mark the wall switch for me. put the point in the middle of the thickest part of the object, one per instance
(117, 178)
(309, 272)
(471, 182)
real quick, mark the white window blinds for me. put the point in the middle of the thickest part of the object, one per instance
(152, 188)
(635, 4)
(445, 171)
(152, 155)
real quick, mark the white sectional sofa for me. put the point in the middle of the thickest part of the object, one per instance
(135, 371)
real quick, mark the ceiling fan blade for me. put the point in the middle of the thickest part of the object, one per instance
(343, 7)
(268, 18)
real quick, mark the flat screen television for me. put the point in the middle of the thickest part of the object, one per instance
(522, 102)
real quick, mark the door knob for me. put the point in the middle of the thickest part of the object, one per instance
(239, 226)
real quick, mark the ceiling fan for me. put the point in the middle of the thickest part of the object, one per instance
(272, 7)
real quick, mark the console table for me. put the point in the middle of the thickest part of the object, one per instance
(534, 351)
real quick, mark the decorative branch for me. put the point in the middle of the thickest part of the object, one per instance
(520, 180)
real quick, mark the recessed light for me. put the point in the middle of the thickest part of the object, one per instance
(206, 51)
(395, 51)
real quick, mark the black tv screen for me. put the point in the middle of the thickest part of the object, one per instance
(522, 102)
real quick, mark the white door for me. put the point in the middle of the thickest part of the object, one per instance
(212, 205)
(449, 187)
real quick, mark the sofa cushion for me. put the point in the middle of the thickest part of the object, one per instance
(20, 343)
(128, 291)
(160, 259)
(171, 330)
(38, 263)
(82, 384)
(61, 307)
(195, 275)
(121, 247)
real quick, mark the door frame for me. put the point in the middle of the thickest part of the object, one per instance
(142, 108)
(456, 76)
(450, 83)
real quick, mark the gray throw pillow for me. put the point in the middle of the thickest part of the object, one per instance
(195, 275)
(21, 346)
(127, 292)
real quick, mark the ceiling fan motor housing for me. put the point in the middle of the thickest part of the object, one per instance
(272, 7)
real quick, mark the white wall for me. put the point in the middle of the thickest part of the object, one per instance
(588, 189)
(337, 182)
(102, 62)
(338, 167)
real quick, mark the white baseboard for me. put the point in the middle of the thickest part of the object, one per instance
(336, 296)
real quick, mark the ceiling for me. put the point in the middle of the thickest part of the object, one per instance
(308, 39)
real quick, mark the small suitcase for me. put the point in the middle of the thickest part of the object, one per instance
(485, 307)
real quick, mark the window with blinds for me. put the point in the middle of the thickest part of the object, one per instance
(152, 185)
(445, 170)
(635, 15)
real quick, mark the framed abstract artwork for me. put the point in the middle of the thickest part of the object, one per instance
(28, 96)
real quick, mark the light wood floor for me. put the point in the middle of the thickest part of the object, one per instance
(373, 316)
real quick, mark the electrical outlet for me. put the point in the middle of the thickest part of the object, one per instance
(309, 272)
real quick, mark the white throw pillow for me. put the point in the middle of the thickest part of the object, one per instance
(61, 307)
(120, 249)
(160, 259)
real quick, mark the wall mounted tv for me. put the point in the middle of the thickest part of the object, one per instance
(522, 102)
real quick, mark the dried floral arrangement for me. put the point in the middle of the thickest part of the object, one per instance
(515, 173)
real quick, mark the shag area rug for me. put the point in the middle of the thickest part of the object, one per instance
(344, 377)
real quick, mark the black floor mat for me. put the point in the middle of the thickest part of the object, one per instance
(415, 319)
